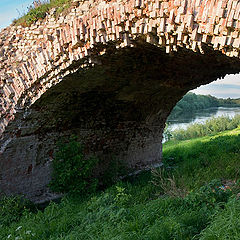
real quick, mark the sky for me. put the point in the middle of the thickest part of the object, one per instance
(224, 88)
(11, 9)
(227, 87)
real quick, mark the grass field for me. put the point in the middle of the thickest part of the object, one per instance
(193, 197)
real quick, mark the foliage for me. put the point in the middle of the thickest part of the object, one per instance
(226, 224)
(40, 8)
(192, 102)
(12, 208)
(229, 102)
(72, 171)
(121, 198)
(137, 209)
(167, 135)
(210, 127)
(208, 195)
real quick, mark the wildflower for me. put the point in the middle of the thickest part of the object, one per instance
(9, 235)
(18, 228)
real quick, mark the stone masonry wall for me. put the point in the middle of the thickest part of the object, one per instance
(34, 58)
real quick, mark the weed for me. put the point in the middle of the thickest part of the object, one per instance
(121, 197)
(167, 183)
(72, 171)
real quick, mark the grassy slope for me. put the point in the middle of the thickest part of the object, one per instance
(138, 209)
(202, 159)
(39, 9)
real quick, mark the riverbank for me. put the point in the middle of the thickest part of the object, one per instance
(201, 116)
(192, 103)
(193, 197)
(211, 126)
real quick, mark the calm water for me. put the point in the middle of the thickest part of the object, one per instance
(201, 116)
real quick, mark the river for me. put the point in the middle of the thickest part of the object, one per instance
(201, 116)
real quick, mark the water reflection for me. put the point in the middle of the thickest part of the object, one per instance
(182, 121)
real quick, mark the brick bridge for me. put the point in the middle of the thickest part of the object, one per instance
(109, 72)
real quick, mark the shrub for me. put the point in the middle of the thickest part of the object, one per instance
(122, 198)
(72, 171)
(167, 135)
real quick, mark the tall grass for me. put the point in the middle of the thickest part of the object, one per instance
(142, 207)
(210, 127)
(198, 161)
(226, 224)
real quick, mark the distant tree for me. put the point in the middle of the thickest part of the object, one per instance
(192, 102)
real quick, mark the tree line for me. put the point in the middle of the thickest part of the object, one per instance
(192, 102)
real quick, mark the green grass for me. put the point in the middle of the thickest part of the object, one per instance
(144, 208)
(202, 159)
(39, 9)
(226, 224)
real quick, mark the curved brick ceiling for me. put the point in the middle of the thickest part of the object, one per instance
(33, 59)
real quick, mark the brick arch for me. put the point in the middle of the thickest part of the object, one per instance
(33, 59)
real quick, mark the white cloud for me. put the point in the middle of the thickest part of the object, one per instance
(222, 88)
(229, 79)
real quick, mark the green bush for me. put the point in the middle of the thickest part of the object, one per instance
(72, 171)
(122, 198)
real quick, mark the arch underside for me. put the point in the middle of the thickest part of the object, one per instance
(117, 108)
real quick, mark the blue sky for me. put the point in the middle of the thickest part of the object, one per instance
(10, 9)
(228, 87)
